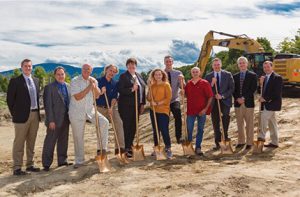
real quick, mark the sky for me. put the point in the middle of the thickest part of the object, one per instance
(104, 32)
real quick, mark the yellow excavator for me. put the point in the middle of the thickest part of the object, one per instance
(287, 65)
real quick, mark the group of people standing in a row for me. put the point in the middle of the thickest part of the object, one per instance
(73, 105)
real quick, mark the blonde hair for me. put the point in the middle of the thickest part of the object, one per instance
(109, 66)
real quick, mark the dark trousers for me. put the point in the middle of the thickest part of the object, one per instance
(128, 116)
(60, 136)
(176, 111)
(216, 120)
(163, 128)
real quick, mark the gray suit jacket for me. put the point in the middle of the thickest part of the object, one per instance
(54, 105)
(226, 86)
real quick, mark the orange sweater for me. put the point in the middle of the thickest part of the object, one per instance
(161, 93)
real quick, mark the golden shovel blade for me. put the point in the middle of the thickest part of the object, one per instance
(257, 147)
(120, 159)
(138, 153)
(125, 158)
(160, 153)
(103, 163)
(187, 148)
(226, 148)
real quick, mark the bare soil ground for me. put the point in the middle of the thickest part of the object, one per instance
(275, 172)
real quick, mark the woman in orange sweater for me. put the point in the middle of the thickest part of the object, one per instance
(161, 93)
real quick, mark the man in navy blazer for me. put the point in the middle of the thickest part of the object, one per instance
(271, 101)
(223, 80)
(23, 104)
(245, 86)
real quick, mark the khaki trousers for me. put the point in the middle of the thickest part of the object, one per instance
(268, 120)
(25, 132)
(245, 115)
(118, 124)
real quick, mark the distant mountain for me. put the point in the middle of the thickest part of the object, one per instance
(71, 70)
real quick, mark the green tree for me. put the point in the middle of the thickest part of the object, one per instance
(290, 45)
(3, 83)
(17, 72)
(40, 73)
(265, 44)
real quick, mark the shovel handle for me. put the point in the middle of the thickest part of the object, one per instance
(220, 114)
(184, 113)
(136, 117)
(112, 123)
(97, 122)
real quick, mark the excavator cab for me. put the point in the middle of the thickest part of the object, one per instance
(256, 61)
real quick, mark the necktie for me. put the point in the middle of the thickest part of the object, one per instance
(169, 77)
(218, 82)
(32, 94)
(265, 84)
(63, 90)
(242, 78)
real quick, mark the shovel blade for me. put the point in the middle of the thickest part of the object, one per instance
(160, 153)
(138, 153)
(103, 163)
(188, 148)
(125, 158)
(120, 159)
(257, 147)
(226, 148)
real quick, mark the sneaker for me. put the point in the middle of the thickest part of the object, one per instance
(169, 153)
(198, 151)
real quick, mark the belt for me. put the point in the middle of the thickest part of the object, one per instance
(34, 110)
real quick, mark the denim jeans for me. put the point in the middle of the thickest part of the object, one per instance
(190, 127)
(163, 128)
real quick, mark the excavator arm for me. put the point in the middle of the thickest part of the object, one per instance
(241, 42)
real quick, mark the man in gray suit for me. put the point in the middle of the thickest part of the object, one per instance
(56, 102)
(225, 85)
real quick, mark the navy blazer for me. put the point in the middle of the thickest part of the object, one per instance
(226, 86)
(18, 99)
(248, 89)
(273, 93)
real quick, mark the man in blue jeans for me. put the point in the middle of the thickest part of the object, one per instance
(199, 96)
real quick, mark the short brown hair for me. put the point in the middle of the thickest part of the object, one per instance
(131, 60)
(25, 61)
(167, 57)
(268, 62)
(59, 68)
(164, 74)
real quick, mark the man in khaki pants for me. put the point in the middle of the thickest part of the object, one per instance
(108, 84)
(23, 104)
(245, 86)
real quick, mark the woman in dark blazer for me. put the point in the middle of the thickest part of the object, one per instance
(129, 82)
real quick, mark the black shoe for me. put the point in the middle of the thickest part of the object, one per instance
(227, 139)
(19, 172)
(99, 152)
(248, 147)
(216, 148)
(65, 164)
(270, 145)
(32, 169)
(240, 146)
(260, 139)
(179, 140)
(128, 154)
(46, 168)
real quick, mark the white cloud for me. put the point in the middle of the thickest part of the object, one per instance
(46, 30)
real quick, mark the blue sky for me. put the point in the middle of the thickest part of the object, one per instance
(102, 32)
